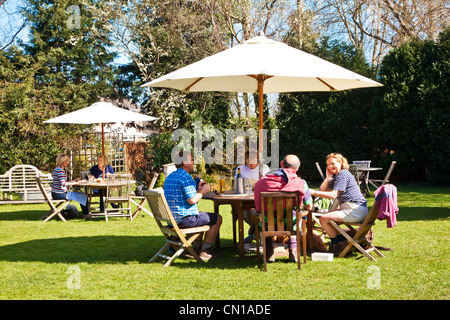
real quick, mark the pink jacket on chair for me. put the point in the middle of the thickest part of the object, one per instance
(386, 199)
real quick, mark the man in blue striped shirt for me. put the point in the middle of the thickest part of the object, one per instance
(182, 196)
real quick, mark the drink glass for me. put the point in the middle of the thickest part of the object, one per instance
(221, 185)
(248, 188)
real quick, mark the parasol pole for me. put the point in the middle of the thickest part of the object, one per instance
(261, 79)
(103, 152)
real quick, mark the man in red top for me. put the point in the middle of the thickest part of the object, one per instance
(287, 180)
(284, 179)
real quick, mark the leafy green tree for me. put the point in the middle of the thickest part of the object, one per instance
(406, 120)
(412, 116)
(62, 68)
(159, 37)
(72, 58)
(24, 138)
(159, 150)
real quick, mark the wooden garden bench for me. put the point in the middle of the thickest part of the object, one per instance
(21, 179)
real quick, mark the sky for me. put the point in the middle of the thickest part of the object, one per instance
(10, 20)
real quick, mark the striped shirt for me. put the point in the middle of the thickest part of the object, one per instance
(59, 184)
(345, 182)
(178, 188)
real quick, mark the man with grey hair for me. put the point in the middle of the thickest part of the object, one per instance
(290, 161)
(286, 180)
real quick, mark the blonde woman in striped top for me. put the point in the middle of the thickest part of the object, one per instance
(60, 183)
(341, 185)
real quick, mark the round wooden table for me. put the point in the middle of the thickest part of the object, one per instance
(239, 203)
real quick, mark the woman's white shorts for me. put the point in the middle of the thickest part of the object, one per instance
(352, 212)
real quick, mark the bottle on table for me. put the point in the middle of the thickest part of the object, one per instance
(239, 183)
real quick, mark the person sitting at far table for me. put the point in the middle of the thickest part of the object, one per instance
(250, 171)
(97, 172)
(60, 185)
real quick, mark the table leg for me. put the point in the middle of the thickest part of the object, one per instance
(363, 184)
(88, 191)
(240, 210)
(216, 211)
(234, 218)
(309, 233)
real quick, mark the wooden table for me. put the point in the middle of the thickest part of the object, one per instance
(239, 203)
(93, 184)
(363, 177)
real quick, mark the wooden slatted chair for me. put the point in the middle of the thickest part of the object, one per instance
(94, 206)
(177, 238)
(378, 183)
(56, 206)
(363, 177)
(140, 201)
(118, 192)
(359, 240)
(280, 221)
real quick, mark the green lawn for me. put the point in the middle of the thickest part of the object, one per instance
(98, 260)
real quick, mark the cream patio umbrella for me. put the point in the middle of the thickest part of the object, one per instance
(261, 65)
(101, 112)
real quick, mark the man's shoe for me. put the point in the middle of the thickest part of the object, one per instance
(208, 254)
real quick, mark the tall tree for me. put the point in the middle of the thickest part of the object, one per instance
(60, 70)
(24, 137)
(159, 37)
(376, 26)
(61, 37)
(412, 114)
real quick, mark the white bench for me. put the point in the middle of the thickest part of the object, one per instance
(21, 179)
